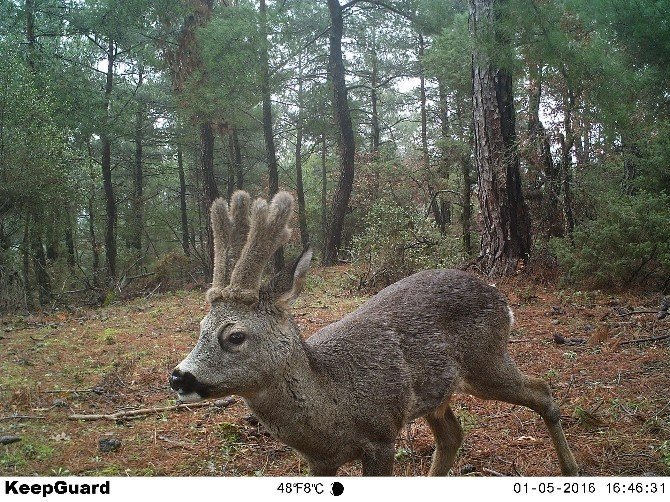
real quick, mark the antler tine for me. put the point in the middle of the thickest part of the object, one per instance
(221, 228)
(267, 233)
(239, 211)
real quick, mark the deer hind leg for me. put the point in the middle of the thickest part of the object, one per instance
(506, 383)
(448, 438)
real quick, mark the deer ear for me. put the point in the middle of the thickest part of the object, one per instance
(300, 268)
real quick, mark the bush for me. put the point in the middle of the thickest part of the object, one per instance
(626, 243)
(398, 241)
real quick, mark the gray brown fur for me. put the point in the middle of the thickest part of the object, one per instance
(346, 392)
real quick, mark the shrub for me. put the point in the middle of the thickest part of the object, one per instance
(626, 243)
(398, 241)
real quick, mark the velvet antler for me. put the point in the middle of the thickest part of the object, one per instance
(246, 244)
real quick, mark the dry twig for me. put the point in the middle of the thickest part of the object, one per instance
(643, 340)
(137, 413)
(23, 417)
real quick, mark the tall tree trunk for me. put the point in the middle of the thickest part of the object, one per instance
(25, 255)
(466, 215)
(630, 153)
(185, 60)
(436, 203)
(69, 238)
(137, 201)
(443, 168)
(230, 185)
(506, 236)
(583, 143)
(541, 160)
(324, 193)
(567, 142)
(209, 189)
(110, 201)
(182, 202)
(198, 203)
(235, 153)
(95, 251)
(347, 144)
(466, 194)
(268, 133)
(422, 102)
(302, 213)
(374, 80)
(444, 129)
(30, 32)
(48, 222)
(40, 262)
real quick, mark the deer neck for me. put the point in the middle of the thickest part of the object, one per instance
(293, 405)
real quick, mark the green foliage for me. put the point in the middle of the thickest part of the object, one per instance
(229, 82)
(450, 56)
(664, 451)
(397, 241)
(626, 243)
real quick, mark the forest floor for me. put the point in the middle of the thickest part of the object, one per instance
(614, 392)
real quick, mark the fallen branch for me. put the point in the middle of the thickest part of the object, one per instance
(624, 314)
(643, 340)
(23, 417)
(96, 390)
(137, 413)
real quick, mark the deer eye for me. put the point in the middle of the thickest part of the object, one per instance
(237, 337)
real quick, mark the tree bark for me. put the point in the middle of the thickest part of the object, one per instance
(506, 232)
(30, 32)
(567, 142)
(302, 212)
(95, 251)
(436, 202)
(209, 189)
(631, 156)
(25, 255)
(236, 175)
(69, 239)
(182, 202)
(185, 60)
(230, 184)
(110, 201)
(374, 99)
(324, 193)
(422, 102)
(237, 154)
(40, 262)
(268, 133)
(137, 201)
(347, 143)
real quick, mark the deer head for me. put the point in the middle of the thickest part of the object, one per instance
(248, 334)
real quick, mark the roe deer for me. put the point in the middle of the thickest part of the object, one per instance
(347, 391)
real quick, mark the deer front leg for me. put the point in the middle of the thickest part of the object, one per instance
(378, 460)
(317, 468)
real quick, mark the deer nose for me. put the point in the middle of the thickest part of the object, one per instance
(177, 379)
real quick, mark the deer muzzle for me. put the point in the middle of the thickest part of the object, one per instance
(188, 387)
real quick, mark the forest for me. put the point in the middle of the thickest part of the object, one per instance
(502, 135)
(527, 141)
